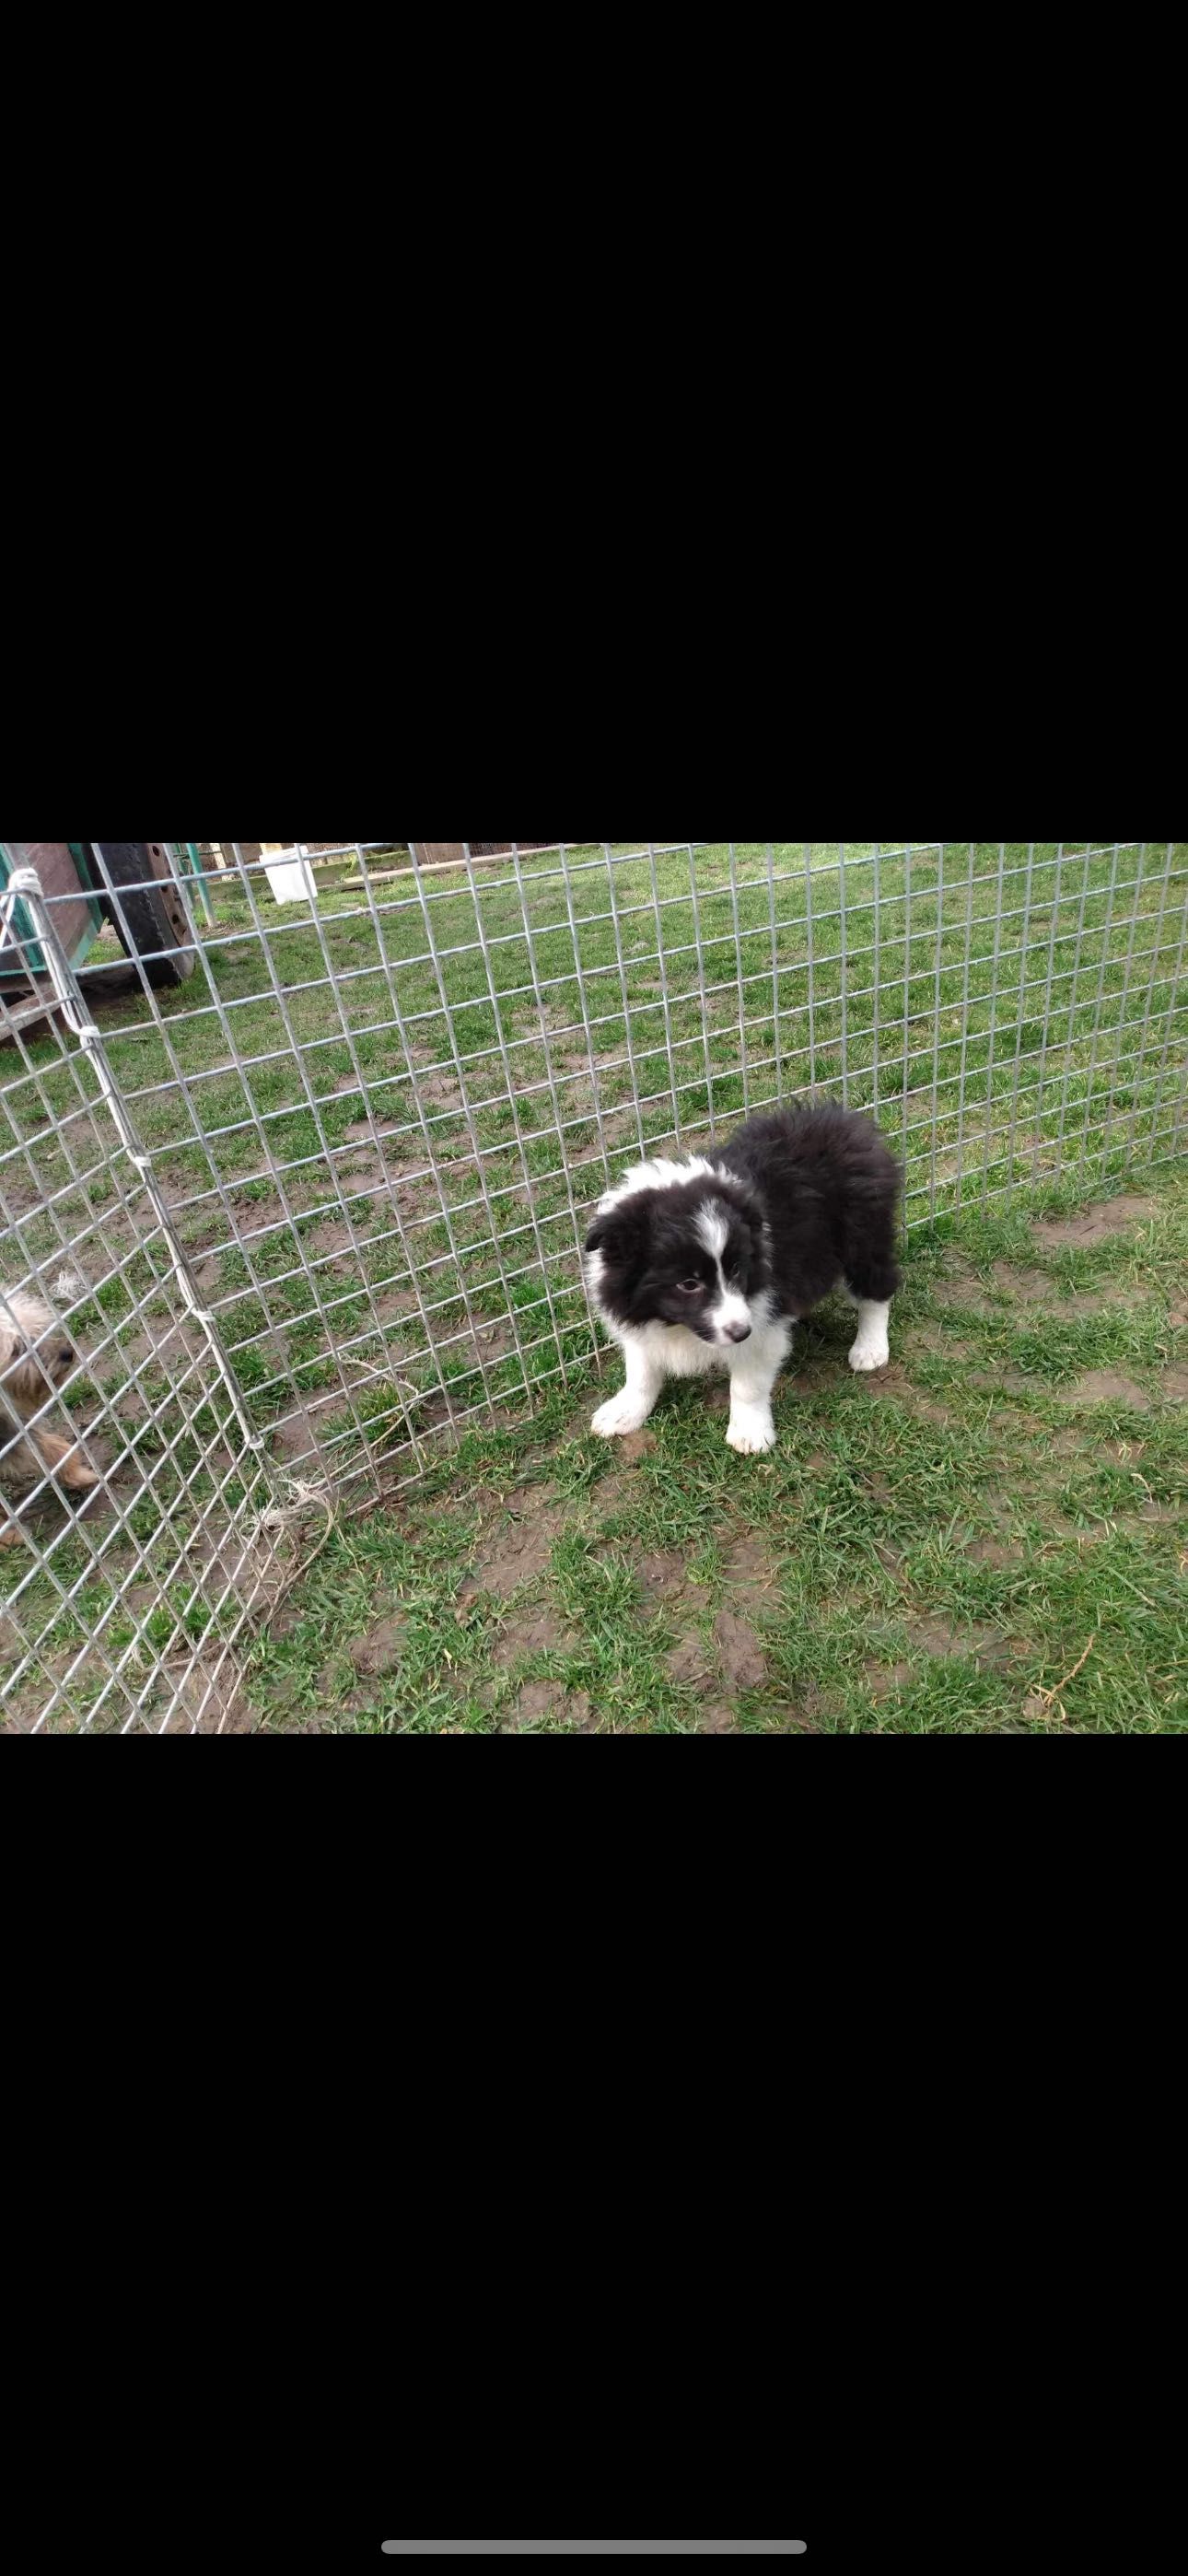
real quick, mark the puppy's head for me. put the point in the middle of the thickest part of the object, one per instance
(35, 1353)
(695, 1254)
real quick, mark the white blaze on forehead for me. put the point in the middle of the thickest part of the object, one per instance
(712, 1225)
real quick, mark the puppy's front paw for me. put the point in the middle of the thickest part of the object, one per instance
(870, 1355)
(621, 1414)
(751, 1432)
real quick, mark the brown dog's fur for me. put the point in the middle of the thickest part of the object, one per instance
(36, 1358)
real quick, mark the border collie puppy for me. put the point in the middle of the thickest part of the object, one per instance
(701, 1265)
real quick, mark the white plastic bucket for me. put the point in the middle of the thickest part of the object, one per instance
(290, 877)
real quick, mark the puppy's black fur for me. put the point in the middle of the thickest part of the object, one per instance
(809, 1197)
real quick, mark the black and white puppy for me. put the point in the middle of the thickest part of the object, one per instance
(700, 1265)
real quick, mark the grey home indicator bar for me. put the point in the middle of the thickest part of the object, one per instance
(594, 2548)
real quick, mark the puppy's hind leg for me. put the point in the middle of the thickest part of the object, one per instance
(65, 1458)
(872, 1277)
(871, 1348)
(631, 1407)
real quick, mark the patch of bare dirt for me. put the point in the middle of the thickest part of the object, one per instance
(613, 1494)
(363, 1165)
(894, 1381)
(209, 1703)
(381, 1649)
(24, 1706)
(362, 1132)
(1104, 1386)
(296, 1439)
(537, 1701)
(691, 1661)
(441, 1090)
(1036, 1710)
(332, 1238)
(734, 1660)
(664, 1577)
(493, 1341)
(1174, 1384)
(936, 1338)
(634, 1445)
(1095, 1301)
(405, 1171)
(995, 1552)
(1059, 1527)
(527, 1499)
(960, 1287)
(537, 1632)
(1109, 1216)
(1028, 1287)
(739, 1652)
(882, 1679)
(926, 1409)
(519, 1553)
(984, 1645)
(751, 1569)
(980, 1645)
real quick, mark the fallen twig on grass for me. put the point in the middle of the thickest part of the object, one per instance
(1051, 1697)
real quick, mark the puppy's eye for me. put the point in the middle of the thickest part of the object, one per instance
(691, 1287)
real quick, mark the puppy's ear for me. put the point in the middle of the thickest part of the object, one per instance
(621, 1235)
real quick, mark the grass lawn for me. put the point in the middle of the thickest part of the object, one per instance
(380, 1125)
(989, 1537)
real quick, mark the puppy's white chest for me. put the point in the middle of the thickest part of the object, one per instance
(674, 1349)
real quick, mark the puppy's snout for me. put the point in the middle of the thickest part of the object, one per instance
(738, 1332)
(66, 1355)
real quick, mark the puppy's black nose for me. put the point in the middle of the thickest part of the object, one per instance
(738, 1332)
(66, 1355)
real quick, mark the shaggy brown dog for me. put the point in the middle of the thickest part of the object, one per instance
(36, 1357)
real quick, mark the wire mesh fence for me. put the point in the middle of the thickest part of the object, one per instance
(314, 1211)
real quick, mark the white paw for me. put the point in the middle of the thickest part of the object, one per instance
(622, 1413)
(870, 1355)
(751, 1433)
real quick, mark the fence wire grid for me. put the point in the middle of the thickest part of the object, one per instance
(310, 1215)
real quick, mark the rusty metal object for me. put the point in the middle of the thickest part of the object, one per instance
(150, 918)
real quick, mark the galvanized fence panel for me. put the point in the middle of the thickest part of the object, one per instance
(372, 1126)
(122, 1598)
